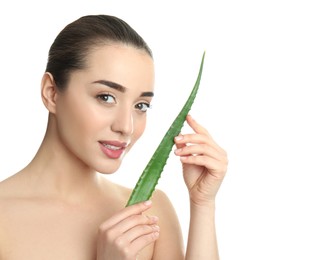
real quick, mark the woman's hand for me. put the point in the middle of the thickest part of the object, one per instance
(204, 163)
(126, 233)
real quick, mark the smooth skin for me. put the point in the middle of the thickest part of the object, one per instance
(60, 206)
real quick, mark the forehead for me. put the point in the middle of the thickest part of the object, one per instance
(121, 63)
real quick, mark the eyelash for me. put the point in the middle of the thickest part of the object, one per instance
(139, 106)
(104, 97)
(147, 106)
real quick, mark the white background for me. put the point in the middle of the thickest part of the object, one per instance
(262, 97)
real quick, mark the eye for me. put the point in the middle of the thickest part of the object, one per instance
(143, 107)
(107, 98)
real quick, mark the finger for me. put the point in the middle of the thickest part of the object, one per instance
(179, 142)
(126, 231)
(192, 138)
(196, 126)
(203, 156)
(193, 150)
(141, 230)
(135, 209)
(215, 168)
(132, 222)
(125, 239)
(139, 243)
(182, 141)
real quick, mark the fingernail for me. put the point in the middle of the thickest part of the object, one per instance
(154, 219)
(147, 203)
(177, 151)
(156, 227)
(191, 117)
(179, 137)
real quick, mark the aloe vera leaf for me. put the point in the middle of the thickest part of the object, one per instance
(149, 178)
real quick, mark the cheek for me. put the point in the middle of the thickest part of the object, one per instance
(139, 128)
(76, 123)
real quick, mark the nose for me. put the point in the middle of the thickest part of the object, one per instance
(124, 122)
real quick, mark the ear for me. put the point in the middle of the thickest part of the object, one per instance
(49, 92)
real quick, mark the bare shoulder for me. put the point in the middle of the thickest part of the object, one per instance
(10, 188)
(9, 192)
(4, 194)
(163, 207)
(170, 244)
(161, 201)
(7, 184)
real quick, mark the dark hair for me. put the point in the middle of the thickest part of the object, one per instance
(69, 50)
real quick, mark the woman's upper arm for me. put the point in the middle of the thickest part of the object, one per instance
(170, 243)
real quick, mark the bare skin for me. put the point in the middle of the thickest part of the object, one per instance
(43, 226)
(61, 207)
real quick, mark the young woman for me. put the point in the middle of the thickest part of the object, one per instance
(98, 85)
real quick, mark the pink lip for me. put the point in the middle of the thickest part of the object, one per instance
(113, 153)
(115, 143)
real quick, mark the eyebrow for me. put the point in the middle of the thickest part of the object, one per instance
(121, 88)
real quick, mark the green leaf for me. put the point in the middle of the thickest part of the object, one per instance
(149, 178)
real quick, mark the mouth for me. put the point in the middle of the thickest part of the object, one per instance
(113, 149)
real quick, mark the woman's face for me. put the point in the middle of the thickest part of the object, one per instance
(102, 113)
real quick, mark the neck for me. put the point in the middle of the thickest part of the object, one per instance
(57, 172)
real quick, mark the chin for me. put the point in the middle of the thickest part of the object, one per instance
(106, 172)
(108, 168)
